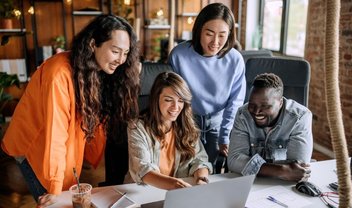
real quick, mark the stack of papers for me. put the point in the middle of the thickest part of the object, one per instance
(112, 198)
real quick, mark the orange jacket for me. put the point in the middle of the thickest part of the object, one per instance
(44, 128)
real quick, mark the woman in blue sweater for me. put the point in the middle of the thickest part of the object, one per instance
(215, 73)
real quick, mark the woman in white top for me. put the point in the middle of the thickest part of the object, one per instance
(164, 144)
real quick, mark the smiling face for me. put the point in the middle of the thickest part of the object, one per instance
(113, 52)
(170, 105)
(214, 36)
(264, 105)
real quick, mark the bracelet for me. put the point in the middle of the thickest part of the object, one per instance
(203, 178)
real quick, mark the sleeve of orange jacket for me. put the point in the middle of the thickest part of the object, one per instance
(57, 114)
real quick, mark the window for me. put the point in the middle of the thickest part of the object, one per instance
(284, 26)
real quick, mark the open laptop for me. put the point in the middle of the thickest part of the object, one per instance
(230, 193)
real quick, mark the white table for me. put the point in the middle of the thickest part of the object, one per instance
(322, 174)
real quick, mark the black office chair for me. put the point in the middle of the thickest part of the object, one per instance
(164, 48)
(148, 74)
(295, 75)
(247, 54)
(221, 165)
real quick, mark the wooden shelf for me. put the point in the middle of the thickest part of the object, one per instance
(157, 27)
(12, 31)
(87, 13)
(48, 0)
(189, 14)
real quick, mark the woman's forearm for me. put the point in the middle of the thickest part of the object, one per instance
(201, 175)
(163, 181)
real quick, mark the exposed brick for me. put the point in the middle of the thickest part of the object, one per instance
(315, 46)
(347, 57)
(346, 33)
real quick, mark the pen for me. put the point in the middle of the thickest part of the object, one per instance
(270, 198)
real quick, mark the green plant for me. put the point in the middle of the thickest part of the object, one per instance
(8, 9)
(58, 42)
(7, 80)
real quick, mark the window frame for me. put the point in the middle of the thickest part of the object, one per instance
(284, 26)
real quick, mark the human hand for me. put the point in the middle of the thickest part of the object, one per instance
(179, 183)
(296, 171)
(202, 180)
(46, 200)
(224, 149)
(307, 170)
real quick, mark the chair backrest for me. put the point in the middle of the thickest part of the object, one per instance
(148, 74)
(164, 48)
(247, 54)
(295, 75)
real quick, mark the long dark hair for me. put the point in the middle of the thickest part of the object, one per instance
(103, 98)
(186, 132)
(212, 12)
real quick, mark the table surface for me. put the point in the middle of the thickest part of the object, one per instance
(323, 173)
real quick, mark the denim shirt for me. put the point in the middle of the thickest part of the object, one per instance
(290, 139)
(144, 156)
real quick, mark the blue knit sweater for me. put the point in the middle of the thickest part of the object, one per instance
(216, 83)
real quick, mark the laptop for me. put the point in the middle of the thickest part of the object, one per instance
(232, 193)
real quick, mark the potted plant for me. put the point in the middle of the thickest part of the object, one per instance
(8, 11)
(58, 43)
(6, 80)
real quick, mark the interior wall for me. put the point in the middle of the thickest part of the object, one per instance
(315, 47)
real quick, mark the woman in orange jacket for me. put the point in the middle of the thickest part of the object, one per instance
(73, 98)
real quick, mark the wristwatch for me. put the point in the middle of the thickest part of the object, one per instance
(203, 178)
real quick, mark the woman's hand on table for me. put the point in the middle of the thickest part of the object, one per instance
(179, 183)
(46, 200)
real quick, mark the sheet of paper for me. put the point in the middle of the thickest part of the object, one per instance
(258, 199)
(125, 202)
(112, 198)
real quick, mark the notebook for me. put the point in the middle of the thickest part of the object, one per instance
(226, 193)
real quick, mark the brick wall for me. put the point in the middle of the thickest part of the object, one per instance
(315, 47)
